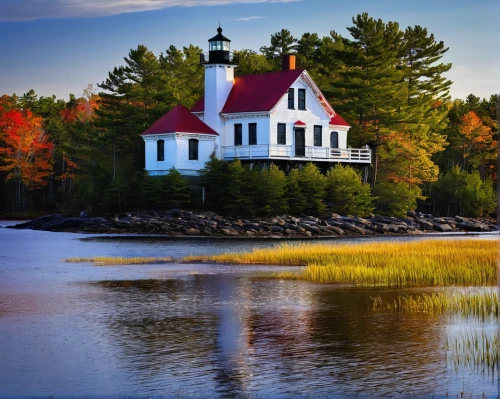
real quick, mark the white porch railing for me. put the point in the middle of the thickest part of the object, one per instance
(274, 151)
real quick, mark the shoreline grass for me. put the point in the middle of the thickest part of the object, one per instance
(482, 306)
(416, 263)
(113, 261)
(476, 349)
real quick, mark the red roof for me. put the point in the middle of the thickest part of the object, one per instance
(299, 123)
(179, 119)
(338, 120)
(253, 93)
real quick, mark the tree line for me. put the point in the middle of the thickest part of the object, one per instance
(429, 152)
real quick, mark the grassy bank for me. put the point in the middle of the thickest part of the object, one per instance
(416, 263)
(481, 306)
(110, 261)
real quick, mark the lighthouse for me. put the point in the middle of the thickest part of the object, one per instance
(219, 67)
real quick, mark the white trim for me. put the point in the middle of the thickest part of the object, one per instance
(245, 115)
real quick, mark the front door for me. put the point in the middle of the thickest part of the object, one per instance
(300, 142)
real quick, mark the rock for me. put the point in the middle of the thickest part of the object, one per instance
(425, 225)
(191, 232)
(311, 228)
(443, 227)
(336, 230)
(229, 232)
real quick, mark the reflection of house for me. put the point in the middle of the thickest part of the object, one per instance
(278, 116)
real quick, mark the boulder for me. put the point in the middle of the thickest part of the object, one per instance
(443, 227)
(229, 232)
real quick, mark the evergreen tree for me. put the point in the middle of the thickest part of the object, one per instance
(174, 191)
(346, 194)
(396, 199)
(458, 192)
(297, 201)
(282, 42)
(312, 185)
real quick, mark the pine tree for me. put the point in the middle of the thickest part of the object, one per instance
(282, 42)
(346, 194)
(174, 191)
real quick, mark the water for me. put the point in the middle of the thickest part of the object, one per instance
(203, 330)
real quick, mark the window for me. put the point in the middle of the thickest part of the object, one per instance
(291, 98)
(252, 133)
(238, 135)
(281, 133)
(302, 98)
(318, 133)
(334, 140)
(193, 149)
(160, 150)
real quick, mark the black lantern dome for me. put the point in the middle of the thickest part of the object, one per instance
(219, 50)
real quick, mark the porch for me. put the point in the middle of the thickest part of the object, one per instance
(293, 153)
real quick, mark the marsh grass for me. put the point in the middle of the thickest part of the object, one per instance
(482, 306)
(110, 261)
(474, 348)
(416, 263)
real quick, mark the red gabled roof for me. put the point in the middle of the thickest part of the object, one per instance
(338, 120)
(253, 93)
(299, 123)
(179, 119)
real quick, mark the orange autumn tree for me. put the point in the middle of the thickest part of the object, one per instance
(25, 154)
(477, 144)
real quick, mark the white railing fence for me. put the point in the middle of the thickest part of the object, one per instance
(262, 151)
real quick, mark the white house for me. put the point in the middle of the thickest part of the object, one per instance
(279, 116)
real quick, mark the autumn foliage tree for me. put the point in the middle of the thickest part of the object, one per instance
(26, 154)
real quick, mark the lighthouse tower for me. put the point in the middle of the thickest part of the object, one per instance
(219, 79)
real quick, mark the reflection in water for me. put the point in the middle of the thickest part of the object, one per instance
(203, 330)
(228, 335)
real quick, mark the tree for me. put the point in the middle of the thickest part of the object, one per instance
(135, 96)
(251, 63)
(282, 42)
(270, 192)
(26, 154)
(396, 199)
(312, 186)
(458, 192)
(477, 143)
(174, 190)
(346, 194)
(297, 201)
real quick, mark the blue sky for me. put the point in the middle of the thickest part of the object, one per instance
(60, 46)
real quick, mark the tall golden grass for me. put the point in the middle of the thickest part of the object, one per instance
(415, 263)
(481, 306)
(110, 261)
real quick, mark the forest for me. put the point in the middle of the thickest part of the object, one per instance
(431, 153)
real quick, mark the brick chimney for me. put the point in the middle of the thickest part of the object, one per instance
(288, 62)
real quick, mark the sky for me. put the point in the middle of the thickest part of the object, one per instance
(58, 47)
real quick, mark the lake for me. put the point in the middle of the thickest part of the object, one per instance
(204, 330)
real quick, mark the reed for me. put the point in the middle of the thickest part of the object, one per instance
(110, 261)
(416, 263)
(475, 348)
(481, 306)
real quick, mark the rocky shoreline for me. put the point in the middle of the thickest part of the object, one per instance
(178, 223)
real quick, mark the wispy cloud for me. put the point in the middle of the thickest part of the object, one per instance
(248, 18)
(25, 10)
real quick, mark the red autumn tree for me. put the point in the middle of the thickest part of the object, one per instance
(25, 153)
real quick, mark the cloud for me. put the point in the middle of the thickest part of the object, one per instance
(247, 18)
(25, 10)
